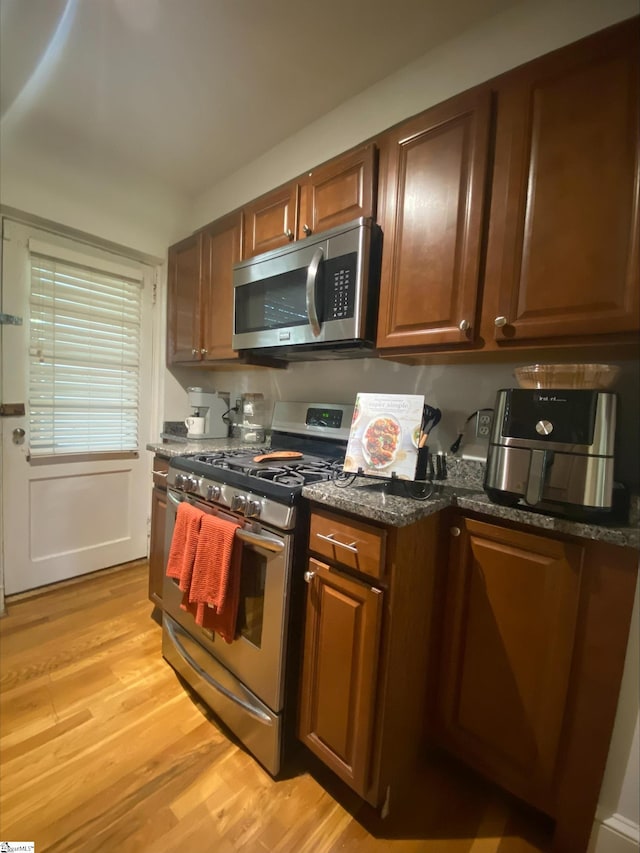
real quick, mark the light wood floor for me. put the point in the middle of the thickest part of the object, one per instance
(103, 749)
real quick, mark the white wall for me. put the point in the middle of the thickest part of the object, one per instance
(509, 39)
(118, 207)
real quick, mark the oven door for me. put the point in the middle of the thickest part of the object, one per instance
(257, 656)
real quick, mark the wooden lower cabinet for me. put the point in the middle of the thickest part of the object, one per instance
(342, 639)
(533, 645)
(367, 646)
(158, 528)
(511, 612)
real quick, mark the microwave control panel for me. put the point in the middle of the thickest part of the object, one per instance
(340, 287)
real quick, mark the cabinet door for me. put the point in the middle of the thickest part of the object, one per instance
(434, 168)
(183, 300)
(339, 672)
(563, 243)
(156, 545)
(221, 250)
(339, 191)
(510, 622)
(271, 221)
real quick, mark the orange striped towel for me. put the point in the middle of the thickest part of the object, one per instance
(211, 568)
(184, 543)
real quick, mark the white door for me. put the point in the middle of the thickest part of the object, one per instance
(61, 517)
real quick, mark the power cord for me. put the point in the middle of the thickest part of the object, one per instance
(456, 444)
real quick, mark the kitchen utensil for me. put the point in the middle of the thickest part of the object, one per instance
(278, 454)
(431, 416)
(590, 376)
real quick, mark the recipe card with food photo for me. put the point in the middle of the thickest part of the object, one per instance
(383, 441)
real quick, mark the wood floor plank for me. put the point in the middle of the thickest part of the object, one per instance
(102, 748)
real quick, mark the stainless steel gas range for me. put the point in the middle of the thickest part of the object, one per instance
(251, 683)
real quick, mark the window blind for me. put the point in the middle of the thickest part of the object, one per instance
(84, 358)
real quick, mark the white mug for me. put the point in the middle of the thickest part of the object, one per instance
(195, 426)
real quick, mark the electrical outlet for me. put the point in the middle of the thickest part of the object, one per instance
(483, 424)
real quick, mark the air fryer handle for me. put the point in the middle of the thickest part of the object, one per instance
(538, 466)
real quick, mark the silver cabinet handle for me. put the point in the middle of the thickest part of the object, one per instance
(500, 321)
(310, 290)
(464, 325)
(329, 538)
(309, 576)
(289, 233)
(308, 231)
(455, 531)
(164, 474)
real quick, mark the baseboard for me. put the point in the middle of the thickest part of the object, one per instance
(616, 834)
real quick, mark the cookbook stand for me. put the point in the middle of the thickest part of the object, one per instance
(419, 489)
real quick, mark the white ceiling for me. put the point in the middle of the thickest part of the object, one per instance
(188, 91)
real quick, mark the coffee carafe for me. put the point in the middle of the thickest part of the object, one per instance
(553, 450)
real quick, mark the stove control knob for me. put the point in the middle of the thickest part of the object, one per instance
(253, 509)
(192, 484)
(213, 493)
(544, 427)
(179, 481)
(238, 503)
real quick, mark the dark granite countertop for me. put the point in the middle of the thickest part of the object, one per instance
(368, 498)
(188, 448)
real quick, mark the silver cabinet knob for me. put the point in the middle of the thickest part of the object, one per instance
(289, 233)
(464, 325)
(308, 231)
(194, 352)
(309, 576)
(18, 435)
(455, 531)
(500, 321)
(203, 351)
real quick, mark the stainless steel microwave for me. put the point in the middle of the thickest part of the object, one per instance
(318, 294)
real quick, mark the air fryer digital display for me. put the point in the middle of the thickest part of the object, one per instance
(571, 413)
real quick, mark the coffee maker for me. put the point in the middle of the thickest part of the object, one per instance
(212, 406)
(553, 451)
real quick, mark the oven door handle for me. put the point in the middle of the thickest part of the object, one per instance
(258, 540)
(312, 280)
(257, 713)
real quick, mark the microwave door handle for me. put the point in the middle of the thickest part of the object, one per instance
(312, 278)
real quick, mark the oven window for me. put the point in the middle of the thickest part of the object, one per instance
(251, 605)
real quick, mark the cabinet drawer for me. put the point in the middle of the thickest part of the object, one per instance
(350, 543)
(160, 470)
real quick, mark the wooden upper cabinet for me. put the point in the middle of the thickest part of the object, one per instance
(183, 300)
(339, 191)
(562, 255)
(510, 623)
(271, 221)
(332, 194)
(435, 172)
(221, 247)
(200, 293)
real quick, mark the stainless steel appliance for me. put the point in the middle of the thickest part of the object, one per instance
(213, 406)
(251, 683)
(553, 450)
(318, 294)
